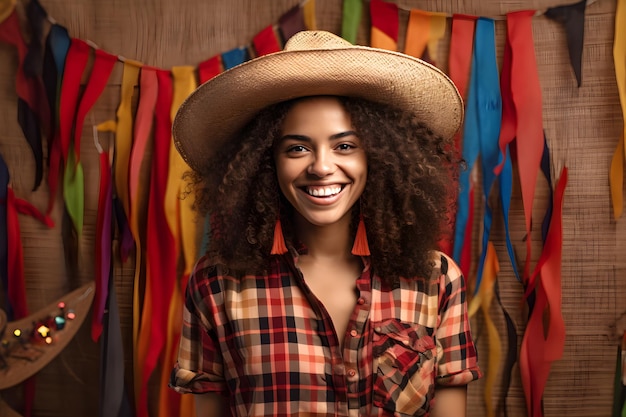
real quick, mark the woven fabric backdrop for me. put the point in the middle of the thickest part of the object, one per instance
(582, 127)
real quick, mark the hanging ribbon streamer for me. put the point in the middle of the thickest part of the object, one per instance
(209, 68)
(36, 15)
(142, 131)
(160, 255)
(234, 57)
(291, 23)
(57, 47)
(526, 94)
(572, 17)
(102, 257)
(488, 104)
(417, 33)
(310, 19)
(483, 300)
(266, 42)
(384, 31)
(423, 33)
(459, 68)
(504, 169)
(616, 177)
(437, 31)
(179, 215)
(123, 144)
(73, 178)
(543, 343)
(351, 19)
(470, 151)
(33, 110)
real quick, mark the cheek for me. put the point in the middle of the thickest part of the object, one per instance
(284, 175)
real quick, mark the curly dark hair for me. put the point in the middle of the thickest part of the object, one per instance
(410, 191)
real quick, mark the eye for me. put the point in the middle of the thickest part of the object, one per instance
(296, 149)
(345, 146)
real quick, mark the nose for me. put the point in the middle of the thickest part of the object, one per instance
(322, 163)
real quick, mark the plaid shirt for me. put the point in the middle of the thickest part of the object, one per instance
(268, 345)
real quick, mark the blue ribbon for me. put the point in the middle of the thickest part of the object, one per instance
(481, 133)
(234, 57)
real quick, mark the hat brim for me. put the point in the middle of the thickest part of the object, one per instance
(222, 106)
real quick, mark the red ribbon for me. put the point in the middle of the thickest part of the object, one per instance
(543, 343)
(102, 68)
(209, 68)
(161, 258)
(526, 94)
(266, 42)
(102, 247)
(75, 63)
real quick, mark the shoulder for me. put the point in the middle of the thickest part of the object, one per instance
(444, 267)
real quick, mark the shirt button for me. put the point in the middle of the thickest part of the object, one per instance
(351, 373)
(361, 301)
(354, 333)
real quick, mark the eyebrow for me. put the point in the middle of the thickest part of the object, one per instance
(308, 139)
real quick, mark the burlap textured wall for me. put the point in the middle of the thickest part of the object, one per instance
(582, 126)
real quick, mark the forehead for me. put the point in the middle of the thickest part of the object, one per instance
(311, 111)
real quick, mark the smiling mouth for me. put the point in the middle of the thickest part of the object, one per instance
(322, 192)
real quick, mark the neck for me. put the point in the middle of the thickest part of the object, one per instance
(330, 242)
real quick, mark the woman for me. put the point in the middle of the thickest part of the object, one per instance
(328, 172)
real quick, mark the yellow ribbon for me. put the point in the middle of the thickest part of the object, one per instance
(616, 175)
(483, 301)
(308, 10)
(437, 31)
(124, 131)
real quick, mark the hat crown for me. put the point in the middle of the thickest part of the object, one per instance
(317, 39)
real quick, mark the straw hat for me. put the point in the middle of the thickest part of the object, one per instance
(312, 63)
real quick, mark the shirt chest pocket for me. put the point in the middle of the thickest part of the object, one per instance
(404, 368)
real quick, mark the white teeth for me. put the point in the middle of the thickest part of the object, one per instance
(323, 192)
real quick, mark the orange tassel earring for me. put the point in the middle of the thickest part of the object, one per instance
(278, 247)
(361, 247)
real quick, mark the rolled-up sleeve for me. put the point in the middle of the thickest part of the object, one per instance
(456, 353)
(199, 368)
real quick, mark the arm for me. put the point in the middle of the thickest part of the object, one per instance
(209, 405)
(450, 402)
